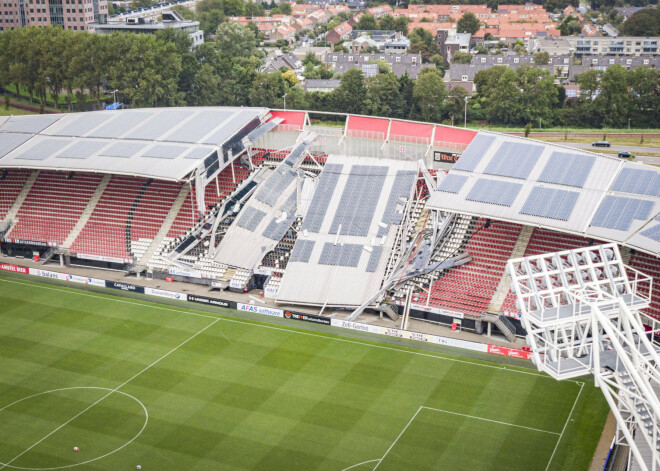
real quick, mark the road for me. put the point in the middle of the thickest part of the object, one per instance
(633, 149)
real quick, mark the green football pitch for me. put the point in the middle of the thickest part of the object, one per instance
(132, 383)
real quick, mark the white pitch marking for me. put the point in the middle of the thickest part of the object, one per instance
(359, 464)
(146, 420)
(397, 438)
(8, 463)
(290, 331)
(564, 429)
(491, 420)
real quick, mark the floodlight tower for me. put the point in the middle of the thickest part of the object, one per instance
(581, 309)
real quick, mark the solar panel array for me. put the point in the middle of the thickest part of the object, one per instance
(641, 182)
(302, 251)
(195, 129)
(159, 125)
(494, 192)
(550, 203)
(239, 122)
(568, 169)
(275, 230)
(43, 149)
(471, 157)
(262, 130)
(162, 151)
(295, 153)
(83, 124)
(272, 188)
(403, 181)
(199, 153)
(359, 200)
(652, 233)
(452, 183)
(324, 190)
(514, 159)
(372, 264)
(346, 255)
(82, 149)
(29, 124)
(10, 141)
(250, 218)
(123, 149)
(120, 124)
(618, 212)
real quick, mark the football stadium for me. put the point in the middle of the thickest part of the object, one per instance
(254, 289)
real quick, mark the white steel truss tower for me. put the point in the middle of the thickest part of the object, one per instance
(581, 309)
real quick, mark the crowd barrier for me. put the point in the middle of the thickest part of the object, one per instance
(273, 312)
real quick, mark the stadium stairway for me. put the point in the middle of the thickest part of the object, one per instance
(165, 228)
(495, 305)
(27, 186)
(87, 212)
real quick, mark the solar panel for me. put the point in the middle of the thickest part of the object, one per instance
(359, 200)
(275, 230)
(347, 255)
(198, 153)
(452, 183)
(403, 181)
(123, 149)
(199, 126)
(641, 182)
(324, 191)
(84, 123)
(618, 212)
(568, 169)
(652, 233)
(550, 203)
(471, 157)
(514, 159)
(43, 149)
(295, 154)
(262, 130)
(250, 218)
(494, 192)
(82, 149)
(120, 124)
(231, 127)
(273, 188)
(10, 141)
(163, 151)
(302, 251)
(374, 257)
(30, 124)
(159, 124)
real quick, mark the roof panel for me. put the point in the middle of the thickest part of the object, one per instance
(618, 212)
(570, 169)
(469, 160)
(550, 203)
(82, 149)
(120, 124)
(452, 183)
(83, 123)
(638, 181)
(161, 123)
(43, 149)
(514, 159)
(652, 233)
(10, 141)
(30, 124)
(497, 192)
(198, 153)
(124, 149)
(202, 123)
(163, 151)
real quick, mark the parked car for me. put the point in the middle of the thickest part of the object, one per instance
(601, 144)
(624, 154)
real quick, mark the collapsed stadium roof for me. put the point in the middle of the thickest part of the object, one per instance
(162, 143)
(562, 188)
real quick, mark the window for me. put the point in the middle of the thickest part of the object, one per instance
(516, 60)
(483, 60)
(464, 78)
(646, 62)
(499, 60)
(398, 58)
(611, 61)
(594, 61)
(628, 61)
(565, 61)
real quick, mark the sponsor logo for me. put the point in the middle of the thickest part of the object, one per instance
(393, 333)
(418, 336)
(27, 242)
(210, 301)
(191, 274)
(50, 274)
(307, 317)
(13, 268)
(267, 311)
(164, 293)
(354, 326)
(124, 286)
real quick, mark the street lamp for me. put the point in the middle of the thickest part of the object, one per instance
(114, 96)
(465, 122)
(284, 100)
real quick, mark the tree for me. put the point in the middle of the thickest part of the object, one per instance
(461, 57)
(538, 94)
(541, 58)
(367, 22)
(268, 90)
(235, 40)
(290, 77)
(614, 99)
(519, 48)
(210, 14)
(644, 83)
(383, 97)
(468, 23)
(285, 8)
(429, 94)
(455, 104)
(642, 23)
(504, 104)
(349, 97)
(185, 12)
(570, 26)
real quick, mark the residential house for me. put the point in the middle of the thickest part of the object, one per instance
(319, 85)
(399, 63)
(339, 32)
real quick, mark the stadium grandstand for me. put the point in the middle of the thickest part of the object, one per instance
(376, 219)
